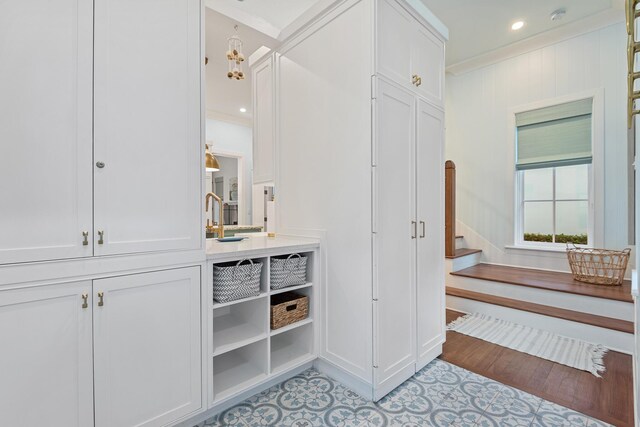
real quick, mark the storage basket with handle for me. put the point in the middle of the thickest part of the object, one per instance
(598, 266)
(232, 281)
(288, 308)
(288, 271)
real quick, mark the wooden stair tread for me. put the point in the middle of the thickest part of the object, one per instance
(463, 252)
(545, 310)
(549, 280)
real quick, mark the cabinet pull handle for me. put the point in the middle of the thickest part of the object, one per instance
(419, 81)
(414, 228)
(100, 165)
(101, 237)
(85, 298)
(414, 79)
(424, 230)
(85, 238)
(100, 299)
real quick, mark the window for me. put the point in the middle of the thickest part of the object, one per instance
(553, 167)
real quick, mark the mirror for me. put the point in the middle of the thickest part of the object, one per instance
(225, 183)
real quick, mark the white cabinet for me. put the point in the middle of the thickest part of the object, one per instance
(46, 357)
(147, 348)
(131, 344)
(394, 187)
(408, 52)
(45, 137)
(430, 296)
(147, 125)
(263, 121)
(100, 147)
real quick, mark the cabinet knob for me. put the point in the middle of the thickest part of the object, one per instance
(100, 165)
(100, 237)
(85, 238)
(414, 79)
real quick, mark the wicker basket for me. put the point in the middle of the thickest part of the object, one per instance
(232, 281)
(288, 308)
(598, 266)
(288, 271)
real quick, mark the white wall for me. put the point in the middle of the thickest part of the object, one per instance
(226, 138)
(478, 137)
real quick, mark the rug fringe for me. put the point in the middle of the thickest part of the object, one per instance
(598, 354)
(457, 322)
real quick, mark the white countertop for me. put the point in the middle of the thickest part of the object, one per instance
(259, 246)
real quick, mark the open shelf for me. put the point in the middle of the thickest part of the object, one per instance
(237, 325)
(291, 348)
(290, 288)
(291, 326)
(239, 369)
(238, 301)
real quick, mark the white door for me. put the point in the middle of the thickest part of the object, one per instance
(394, 237)
(147, 348)
(430, 299)
(393, 34)
(263, 120)
(46, 374)
(148, 194)
(427, 62)
(45, 137)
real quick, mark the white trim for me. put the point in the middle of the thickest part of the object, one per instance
(228, 118)
(565, 32)
(596, 173)
(344, 377)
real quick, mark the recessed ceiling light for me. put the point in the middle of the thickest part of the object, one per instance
(517, 25)
(243, 110)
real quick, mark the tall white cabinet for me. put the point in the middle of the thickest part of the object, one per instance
(378, 124)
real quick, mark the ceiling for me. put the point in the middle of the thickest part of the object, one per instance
(225, 97)
(479, 27)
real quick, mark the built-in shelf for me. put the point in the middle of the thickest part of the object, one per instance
(291, 348)
(235, 326)
(237, 370)
(291, 326)
(290, 288)
(239, 301)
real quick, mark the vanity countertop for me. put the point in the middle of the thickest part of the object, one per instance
(241, 227)
(259, 246)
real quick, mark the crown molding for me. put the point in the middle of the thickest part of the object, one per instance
(573, 29)
(228, 118)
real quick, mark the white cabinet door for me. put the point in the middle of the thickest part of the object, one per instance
(46, 374)
(430, 265)
(394, 31)
(263, 121)
(427, 61)
(45, 137)
(147, 348)
(394, 238)
(148, 126)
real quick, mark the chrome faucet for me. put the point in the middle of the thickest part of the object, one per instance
(220, 228)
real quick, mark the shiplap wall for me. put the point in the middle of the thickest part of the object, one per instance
(478, 129)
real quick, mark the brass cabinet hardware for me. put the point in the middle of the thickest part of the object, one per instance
(100, 165)
(101, 237)
(414, 79)
(85, 238)
(85, 298)
(100, 299)
(424, 230)
(414, 228)
(419, 82)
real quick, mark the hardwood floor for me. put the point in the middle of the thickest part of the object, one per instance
(609, 398)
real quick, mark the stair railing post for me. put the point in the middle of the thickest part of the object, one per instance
(450, 208)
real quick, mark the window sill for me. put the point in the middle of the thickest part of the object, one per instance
(553, 249)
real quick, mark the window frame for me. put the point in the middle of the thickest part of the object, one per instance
(596, 173)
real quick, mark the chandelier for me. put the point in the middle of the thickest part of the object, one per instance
(235, 57)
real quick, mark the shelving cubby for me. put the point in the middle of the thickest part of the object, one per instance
(291, 348)
(239, 369)
(239, 324)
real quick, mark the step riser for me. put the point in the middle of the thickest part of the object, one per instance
(460, 243)
(615, 340)
(581, 303)
(461, 263)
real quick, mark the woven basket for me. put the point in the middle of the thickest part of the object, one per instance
(598, 266)
(288, 308)
(232, 281)
(288, 271)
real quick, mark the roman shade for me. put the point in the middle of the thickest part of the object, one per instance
(559, 135)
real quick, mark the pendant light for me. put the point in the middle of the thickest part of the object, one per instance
(211, 163)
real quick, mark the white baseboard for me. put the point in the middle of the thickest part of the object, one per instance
(615, 340)
(347, 379)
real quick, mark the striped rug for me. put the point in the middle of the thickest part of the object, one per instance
(547, 345)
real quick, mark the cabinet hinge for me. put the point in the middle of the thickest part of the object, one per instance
(375, 299)
(375, 366)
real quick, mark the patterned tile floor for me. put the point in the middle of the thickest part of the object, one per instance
(441, 394)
